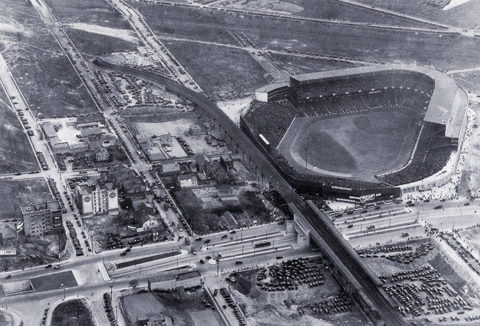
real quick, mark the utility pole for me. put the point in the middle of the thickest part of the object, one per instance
(218, 264)
(306, 153)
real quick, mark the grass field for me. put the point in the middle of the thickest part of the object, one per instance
(357, 146)
(16, 154)
(87, 11)
(442, 51)
(300, 65)
(18, 193)
(72, 313)
(42, 71)
(202, 25)
(54, 281)
(326, 9)
(94, 44)
(221, 72)
(465, 15)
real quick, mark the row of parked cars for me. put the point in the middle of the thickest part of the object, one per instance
(56, 194)
(43, 162)
(44, 318)
(75, 241)
(107, 300)
(290, 274)
(232, 304)
(335, 305)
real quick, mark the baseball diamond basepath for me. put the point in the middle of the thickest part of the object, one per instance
(356, 146)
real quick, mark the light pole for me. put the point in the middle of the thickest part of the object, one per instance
(63, 286)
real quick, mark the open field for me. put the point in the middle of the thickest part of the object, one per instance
(463, 16)
(96, 44)
(221, 72)
(72, 313)
(327, 9)
(441, 51)
(205, 211)
(359, 146)
(300, 65)
(15, 151)
(184, 308)
(385, 45)
(184, 22)
(31, 251)
(94, 26)
(18, 193)
(42, 71)
(97, 12)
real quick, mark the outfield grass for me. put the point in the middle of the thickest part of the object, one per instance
(358, 146)
(221, 72)
(72, 313)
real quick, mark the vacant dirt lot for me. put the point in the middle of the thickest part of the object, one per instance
(39, 66)
(185, 308)
(18, 193)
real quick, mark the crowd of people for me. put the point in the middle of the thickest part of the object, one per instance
(390, 90)
(431, 155)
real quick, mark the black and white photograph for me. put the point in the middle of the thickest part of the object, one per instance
(239, 162)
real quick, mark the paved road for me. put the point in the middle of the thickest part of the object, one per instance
(331, 240)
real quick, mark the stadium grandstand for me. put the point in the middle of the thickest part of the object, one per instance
(432, 99)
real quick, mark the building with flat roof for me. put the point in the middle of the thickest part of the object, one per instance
(42, 218)
(97, 198)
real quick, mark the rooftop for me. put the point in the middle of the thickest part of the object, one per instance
(188, 275)
(43, 206)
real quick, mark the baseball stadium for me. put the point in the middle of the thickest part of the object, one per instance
(361, 132)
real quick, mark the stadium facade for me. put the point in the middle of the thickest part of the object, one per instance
(433, 97)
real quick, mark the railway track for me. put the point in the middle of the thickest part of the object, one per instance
(324, 232)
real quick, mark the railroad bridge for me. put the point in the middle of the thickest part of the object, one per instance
(346, 266)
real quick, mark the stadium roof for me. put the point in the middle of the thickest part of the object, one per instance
(448, 102)
(273, 86)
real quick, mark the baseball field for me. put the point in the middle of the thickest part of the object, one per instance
(357, 146)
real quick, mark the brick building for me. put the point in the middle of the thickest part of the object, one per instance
(42, 218)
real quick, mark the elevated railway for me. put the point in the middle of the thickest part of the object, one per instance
(362, 280)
